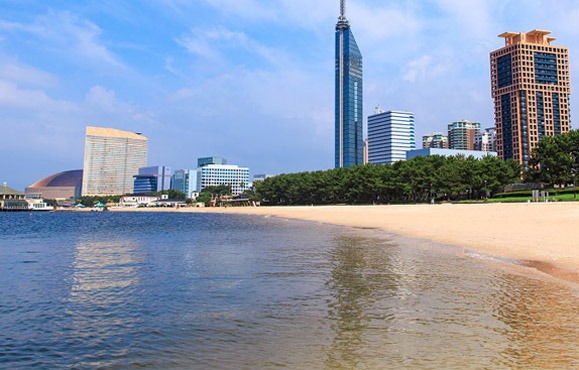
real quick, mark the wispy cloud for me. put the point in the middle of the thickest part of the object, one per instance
(249, 9)
(26, 75)
(11, 95)
(213, 44)
(424, 68)
(67, 34)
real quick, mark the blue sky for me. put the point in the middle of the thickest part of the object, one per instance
(248, 80)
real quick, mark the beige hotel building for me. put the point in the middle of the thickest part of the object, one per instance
(111, 159)
(530, 87)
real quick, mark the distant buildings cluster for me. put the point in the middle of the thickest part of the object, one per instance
(530, 86)
(462, 135)
(115, 163)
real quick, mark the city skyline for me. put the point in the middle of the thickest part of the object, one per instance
(241, 78)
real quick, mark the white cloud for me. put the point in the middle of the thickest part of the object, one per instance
(197, 44)
(102, 98)
(26, 75)
(11, 95)
(207, 42)
(423, 68)
(103, 102)
(212, 44)
(68, 34)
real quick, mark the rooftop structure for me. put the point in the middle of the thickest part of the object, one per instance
(210, 160)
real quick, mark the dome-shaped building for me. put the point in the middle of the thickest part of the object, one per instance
(60, 186)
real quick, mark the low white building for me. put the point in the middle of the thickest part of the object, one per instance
(134, 201)
(476, 154)
(38, 205)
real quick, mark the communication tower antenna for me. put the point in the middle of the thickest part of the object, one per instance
(342, 20)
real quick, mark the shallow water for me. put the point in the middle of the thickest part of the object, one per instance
(206, 291)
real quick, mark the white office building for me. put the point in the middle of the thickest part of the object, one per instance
(390, 136)
(223, 174)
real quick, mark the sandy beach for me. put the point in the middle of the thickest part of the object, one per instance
(541, 235)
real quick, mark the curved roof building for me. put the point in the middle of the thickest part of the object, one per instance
(62, 185)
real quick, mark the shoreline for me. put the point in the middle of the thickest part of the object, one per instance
(542, 236)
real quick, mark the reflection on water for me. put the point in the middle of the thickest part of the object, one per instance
(352, 290)
(231, 292)
(397, 306)
(102, 305)
(104, 270)
(541, 323)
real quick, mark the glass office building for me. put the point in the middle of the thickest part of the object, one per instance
(111, 158)
(349, 141)
(185, 181)
(152, 179)
(210, 160)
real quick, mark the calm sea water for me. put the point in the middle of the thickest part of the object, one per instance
(205, 291)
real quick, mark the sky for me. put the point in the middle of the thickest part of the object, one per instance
(248, 80)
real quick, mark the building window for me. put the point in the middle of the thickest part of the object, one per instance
(504, 71)
(545, 68)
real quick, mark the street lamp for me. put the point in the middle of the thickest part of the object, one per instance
(486, 190)
(574, 174)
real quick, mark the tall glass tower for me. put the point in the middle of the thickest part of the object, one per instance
(349, 123)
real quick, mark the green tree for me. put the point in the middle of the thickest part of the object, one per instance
(204, 197)
(555, 160)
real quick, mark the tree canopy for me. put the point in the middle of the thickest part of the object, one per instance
(555, 160)
(418, 180)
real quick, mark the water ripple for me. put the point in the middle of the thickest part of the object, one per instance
(182, 291)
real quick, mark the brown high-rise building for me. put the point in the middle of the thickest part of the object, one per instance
(530, 87)
(461, 134)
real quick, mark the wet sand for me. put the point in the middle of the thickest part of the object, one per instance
(544, 236)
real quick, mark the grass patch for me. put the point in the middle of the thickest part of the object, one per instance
(565, 197)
